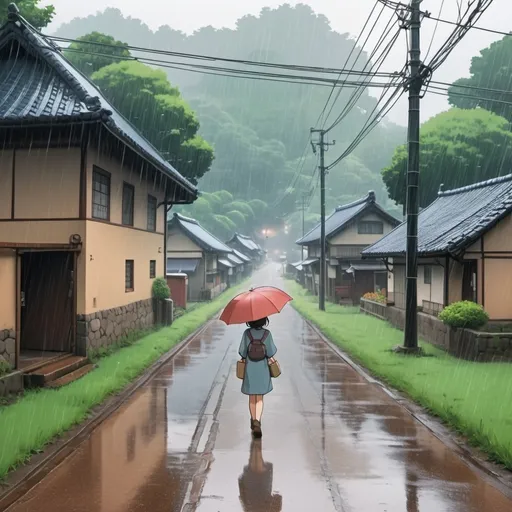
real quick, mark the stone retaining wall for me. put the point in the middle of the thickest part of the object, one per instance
(104, 328)
(8, 346)
(465, 344)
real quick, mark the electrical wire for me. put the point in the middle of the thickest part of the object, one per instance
(193, 56)
(348, 59)
(458, 24)
(437, 25)
(357, 58)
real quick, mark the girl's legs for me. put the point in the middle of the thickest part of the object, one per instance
(256, 406)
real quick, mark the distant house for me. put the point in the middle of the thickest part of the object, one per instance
(193, 250)
(349, 229)
(247, 246)
(82, 208)
(464, 249)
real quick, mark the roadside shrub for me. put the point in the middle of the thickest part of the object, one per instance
(464, 314)
(160, 289)
(375, 297)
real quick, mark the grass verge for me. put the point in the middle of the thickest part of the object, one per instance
(473, 398)
(39, 416)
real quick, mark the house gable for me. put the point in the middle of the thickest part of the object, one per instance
(350, 235)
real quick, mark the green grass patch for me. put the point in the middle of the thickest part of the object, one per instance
(473, 398)
(39, 416)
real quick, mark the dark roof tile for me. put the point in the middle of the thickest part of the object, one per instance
(455, 220)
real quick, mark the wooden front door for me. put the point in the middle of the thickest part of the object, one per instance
(469, 288)
(47, 291)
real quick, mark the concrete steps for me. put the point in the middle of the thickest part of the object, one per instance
(55, 371)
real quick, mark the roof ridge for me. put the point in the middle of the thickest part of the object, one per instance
(475, 186)
(368, 198)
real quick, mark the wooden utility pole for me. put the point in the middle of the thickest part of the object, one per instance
(323, 257)
(413, 169)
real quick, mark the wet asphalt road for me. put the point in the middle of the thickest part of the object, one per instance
(331, 442)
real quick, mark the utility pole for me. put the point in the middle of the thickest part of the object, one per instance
(413, 169)
(323, 258)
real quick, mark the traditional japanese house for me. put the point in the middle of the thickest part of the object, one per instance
(349, 229)
(464, 250)
(203, 257)
(82, 201)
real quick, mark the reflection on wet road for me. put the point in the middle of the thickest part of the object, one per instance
(331, 442)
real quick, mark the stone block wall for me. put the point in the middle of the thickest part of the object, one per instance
(8, 346)
(104, 328)
(464, 344)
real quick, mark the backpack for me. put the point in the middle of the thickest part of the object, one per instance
(256, 350)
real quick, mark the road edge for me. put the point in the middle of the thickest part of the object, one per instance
(501, 478)
(21, 480)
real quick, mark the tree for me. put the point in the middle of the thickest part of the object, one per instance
(458, 147)
(39, 17)
(145, 96)
(492, 69)
(89, 57)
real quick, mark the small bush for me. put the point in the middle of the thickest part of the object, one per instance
(160, 289)
(375, 297)
(465, 315)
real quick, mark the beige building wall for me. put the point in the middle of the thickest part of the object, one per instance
(5, 183)
(350, 236)
(179, 243)
(108, 247)
(7, 289)
(118, 175)
(498, 289)
(53, 191)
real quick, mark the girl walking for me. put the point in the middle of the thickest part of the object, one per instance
(257, 351)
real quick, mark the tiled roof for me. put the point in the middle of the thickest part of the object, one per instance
(235, 259)
(38, 84)
(455, 220)
(242, 256)
(342, 216)
(246, 242)
(199, 235)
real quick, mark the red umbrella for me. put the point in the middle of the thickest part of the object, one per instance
(255, 304)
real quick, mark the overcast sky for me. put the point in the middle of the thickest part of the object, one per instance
(344, 15)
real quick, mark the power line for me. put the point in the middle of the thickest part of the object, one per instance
(346, 62)
(445, 92)
(355, 60)
(193, 56)
(232, 72)
(458, 24)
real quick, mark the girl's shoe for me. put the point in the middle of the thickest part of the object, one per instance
(252, 424)
(256, 428)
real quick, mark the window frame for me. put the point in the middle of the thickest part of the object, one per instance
(127, 264)
(105, 174)
(128, 186)
(370, 231)
(429, 274)
(152, 199)
(152, 269)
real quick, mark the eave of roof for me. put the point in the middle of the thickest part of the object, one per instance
(95, 107)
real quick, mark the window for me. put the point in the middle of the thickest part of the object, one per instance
(128, 196)
(210, 278)
(427, 275)
(128, 276)
(151, 213)
(100, 194)
(152, 269)
(370, 228)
